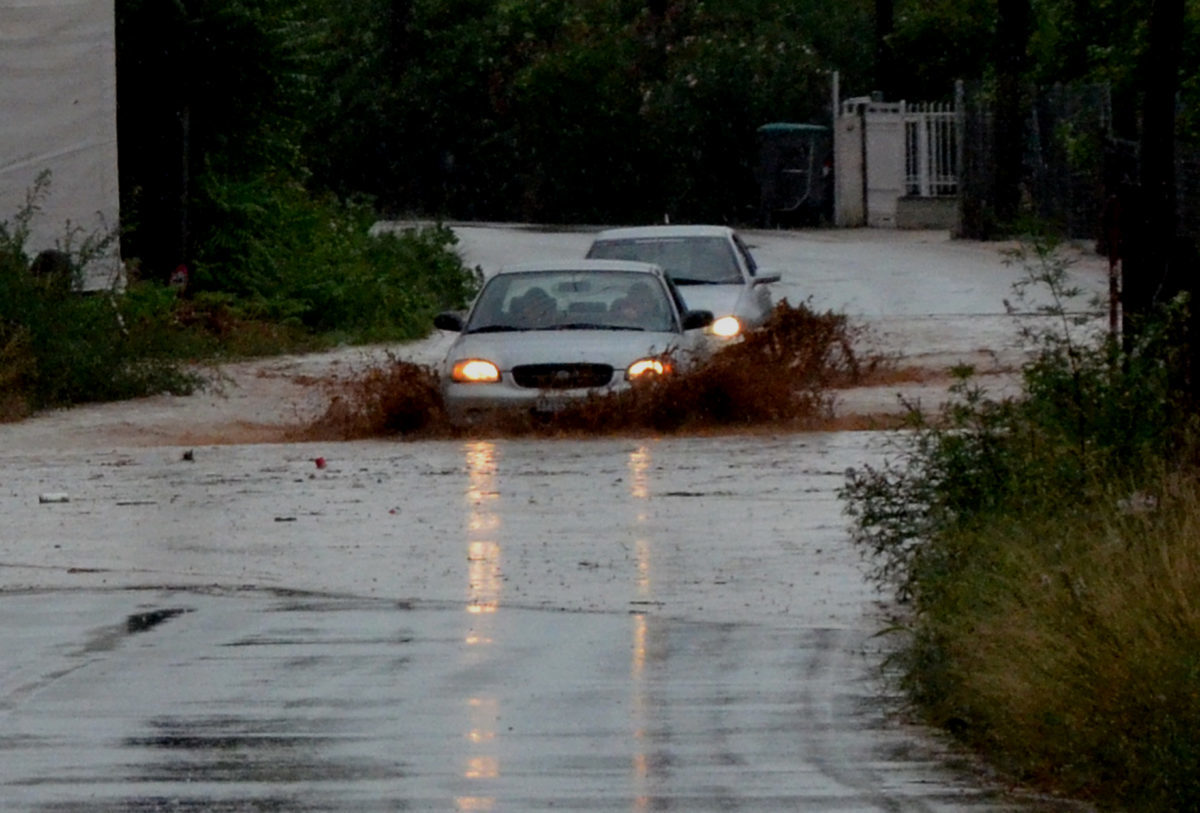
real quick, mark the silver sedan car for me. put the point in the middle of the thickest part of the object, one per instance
(711, 264)
(541, 335)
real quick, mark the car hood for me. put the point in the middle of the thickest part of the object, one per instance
(618, 348)
(722, 300)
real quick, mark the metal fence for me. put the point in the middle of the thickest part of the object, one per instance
(1068, 157)
(976, 177)
(1073, 162)
(1069, 130)
(1187, 191)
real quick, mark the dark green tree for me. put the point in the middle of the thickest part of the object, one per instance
(1011, 61)
(203, 89)
(1152, 271)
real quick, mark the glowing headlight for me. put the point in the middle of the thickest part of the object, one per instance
(643, 367)
(474, 371)
(726, 327)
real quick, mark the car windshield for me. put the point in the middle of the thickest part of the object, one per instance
(689, 260)
(571, 300)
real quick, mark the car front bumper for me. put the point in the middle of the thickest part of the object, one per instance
(474, 404)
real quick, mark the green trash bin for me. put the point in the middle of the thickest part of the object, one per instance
(795, 173)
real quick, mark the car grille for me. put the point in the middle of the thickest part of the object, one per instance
(562, 376)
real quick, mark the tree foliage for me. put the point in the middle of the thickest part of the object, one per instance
(548, 109)
(554, 110)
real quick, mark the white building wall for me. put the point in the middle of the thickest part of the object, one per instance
(58, 112)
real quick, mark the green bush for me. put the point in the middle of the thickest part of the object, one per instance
(1043, 561)
(284, 272)
(287, 257)
(59, 346)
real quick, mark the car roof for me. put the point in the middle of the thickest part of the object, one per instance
(576, 264)
(691, 230)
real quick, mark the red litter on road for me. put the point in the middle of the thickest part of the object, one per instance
(320, 461)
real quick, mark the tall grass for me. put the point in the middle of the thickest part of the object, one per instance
(1070, 647)
(1044, 554)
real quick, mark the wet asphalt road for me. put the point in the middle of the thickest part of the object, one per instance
(613, 625)
(270, 702)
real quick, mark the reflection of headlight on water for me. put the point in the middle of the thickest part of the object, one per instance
(726, 327)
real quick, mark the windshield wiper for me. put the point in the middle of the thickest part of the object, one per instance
(694, 281)
(496, 329)
(595, 326)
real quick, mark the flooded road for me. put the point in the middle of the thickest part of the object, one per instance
(194, 620)
(609, 625)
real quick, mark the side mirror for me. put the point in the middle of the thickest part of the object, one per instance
(448, 320)
(694, 320)
(766, 279)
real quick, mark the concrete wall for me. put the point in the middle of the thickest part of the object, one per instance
(869, 162)
(927, 213)
(885, 164)
(849, 200)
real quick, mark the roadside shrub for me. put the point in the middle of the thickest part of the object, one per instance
(1042, 561)
(57, 352)
(284, 272)
(313, 263)
(395, 398)
(59, 346)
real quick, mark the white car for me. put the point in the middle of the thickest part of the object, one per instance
(711, 264)
(541, 335)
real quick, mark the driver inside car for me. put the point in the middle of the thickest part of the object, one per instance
(535, 308)
(637, 307)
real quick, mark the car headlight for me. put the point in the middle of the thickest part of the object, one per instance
(474, 371)
(643, 367)
(726, 327)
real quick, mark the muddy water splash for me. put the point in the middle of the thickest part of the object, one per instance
(780, 375)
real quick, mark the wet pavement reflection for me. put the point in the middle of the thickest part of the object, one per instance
(261, 702)
(628, 624)
(484, 579)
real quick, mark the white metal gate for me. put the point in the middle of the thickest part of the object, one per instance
(930, 150)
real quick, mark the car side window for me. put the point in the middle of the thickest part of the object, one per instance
(747, 257)
(489, 305)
